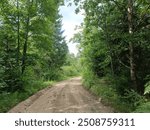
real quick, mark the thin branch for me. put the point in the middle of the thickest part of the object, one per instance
(122, 63)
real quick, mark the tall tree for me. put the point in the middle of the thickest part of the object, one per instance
(18, 32)
(131, 46)
(115, 39)
(31, 38)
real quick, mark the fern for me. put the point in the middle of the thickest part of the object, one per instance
(143, 108)
(147, 88)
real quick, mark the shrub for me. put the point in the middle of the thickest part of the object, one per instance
(143, 108)
(69, 71)
(89, 78)
(147, 88)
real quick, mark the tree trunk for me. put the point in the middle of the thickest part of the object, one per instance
(18, 33)
(25, 46)
(131, 46)
(24, 57)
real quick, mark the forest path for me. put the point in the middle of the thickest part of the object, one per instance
(68, 96)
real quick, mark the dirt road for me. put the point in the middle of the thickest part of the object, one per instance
(66, 97)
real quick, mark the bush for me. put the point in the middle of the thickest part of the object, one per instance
(109, 95)
(120, 84)
(69, 71)
(133, 98)
(105, 92)
(8, 100)
(145, 105)
(31, 85)
(89, 78)
(143, 108)
(147, 88)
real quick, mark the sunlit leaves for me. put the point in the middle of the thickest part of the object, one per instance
(30, 37)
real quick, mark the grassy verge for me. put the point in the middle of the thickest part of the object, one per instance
(108, 95)
(9, 100)
(143, 108)
(32, 84)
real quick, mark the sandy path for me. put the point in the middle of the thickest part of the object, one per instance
(67, 97)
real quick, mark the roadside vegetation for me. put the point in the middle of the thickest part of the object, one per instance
(33, 50)
(115, 52)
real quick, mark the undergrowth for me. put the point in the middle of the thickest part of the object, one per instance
(143, 108)
(9, 100)
(130, 101)
(32, 83)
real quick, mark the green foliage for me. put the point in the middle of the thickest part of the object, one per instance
(133, 98)
(115, 44)
(147, 88)
(31, 37)
(104, 90)
(32, 48)
(109, 96)
(120, 84)
(72, 67)
(89, 78)
(32, 84)
(69, 71)
(143, 108)
(9, 100)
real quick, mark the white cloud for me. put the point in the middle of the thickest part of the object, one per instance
(70, 21)
(69, 28)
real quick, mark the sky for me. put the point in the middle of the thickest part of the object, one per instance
(69, 21)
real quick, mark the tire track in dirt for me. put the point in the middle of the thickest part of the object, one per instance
(65, 97)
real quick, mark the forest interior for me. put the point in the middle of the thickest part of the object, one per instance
(113, 57)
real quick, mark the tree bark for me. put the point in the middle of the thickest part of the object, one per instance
(25, 46)
(131, 46)
(18, 33)
(24, 57)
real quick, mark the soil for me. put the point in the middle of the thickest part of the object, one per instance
(68, 96)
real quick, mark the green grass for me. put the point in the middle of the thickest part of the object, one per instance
(103, 88)
(143, 108)
(9, 100)
(32, 84)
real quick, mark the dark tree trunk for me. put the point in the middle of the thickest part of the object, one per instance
(24, 57)
(25, 46)
(18, 33)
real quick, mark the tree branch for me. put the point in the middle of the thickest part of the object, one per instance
(142, 18)
(119, 6)
(122, 63)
